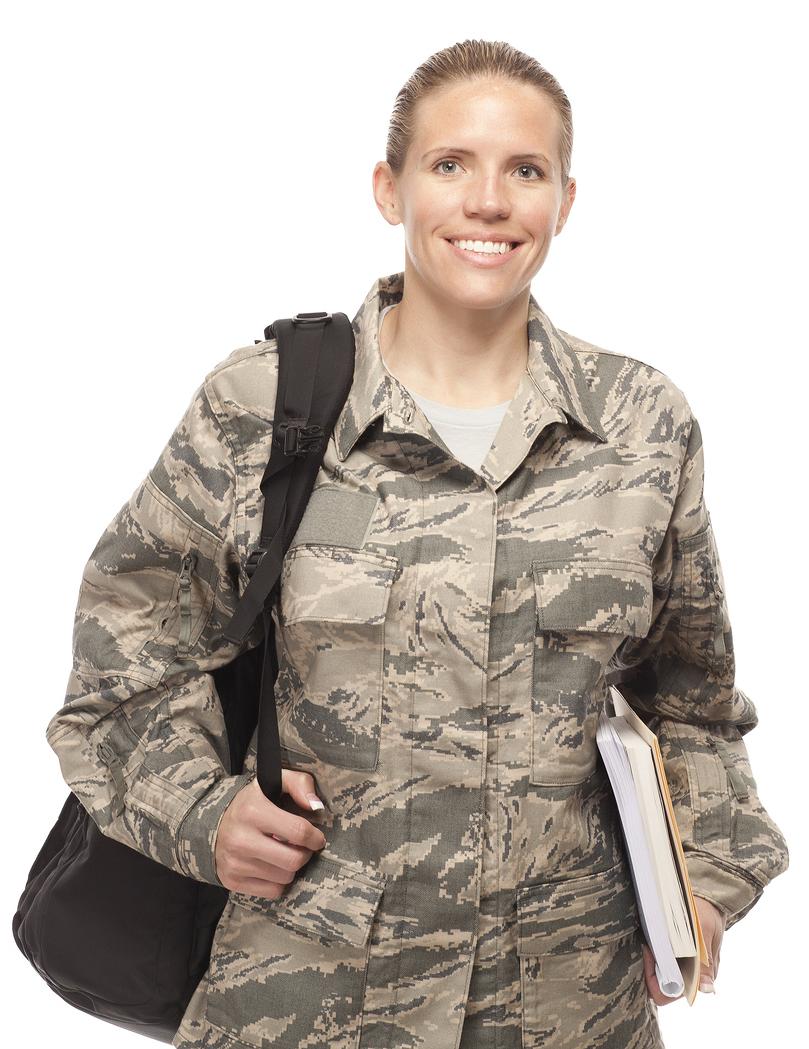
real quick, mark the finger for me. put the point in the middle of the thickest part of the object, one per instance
(241, 868)
(652, 985)
(260, 887)
(269, 851)
(706, 980)
(270, 819)
(716, 947)
(301, 788)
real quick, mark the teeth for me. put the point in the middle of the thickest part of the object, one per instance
(484, 247)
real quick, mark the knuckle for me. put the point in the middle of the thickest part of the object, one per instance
(236, 841)
(302, 859)
(300, 829)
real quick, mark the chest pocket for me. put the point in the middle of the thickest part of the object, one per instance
(331, 640)
(585, 607)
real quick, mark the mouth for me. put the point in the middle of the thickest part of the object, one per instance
(486, 258)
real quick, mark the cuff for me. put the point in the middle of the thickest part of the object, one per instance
(196, 836)
(733, 891)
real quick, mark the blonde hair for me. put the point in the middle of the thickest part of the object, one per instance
(467, 60)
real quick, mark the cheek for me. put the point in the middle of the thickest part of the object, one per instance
(548, 220)
(545, 213)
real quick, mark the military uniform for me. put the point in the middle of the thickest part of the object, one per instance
(443, 636)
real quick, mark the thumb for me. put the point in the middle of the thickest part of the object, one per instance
(301, 788)
(707, 974)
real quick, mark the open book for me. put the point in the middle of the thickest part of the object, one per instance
(634, 764)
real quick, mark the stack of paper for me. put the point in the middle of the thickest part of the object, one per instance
(634, 764)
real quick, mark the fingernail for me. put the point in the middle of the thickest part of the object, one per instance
(315, 802)
(706, 984)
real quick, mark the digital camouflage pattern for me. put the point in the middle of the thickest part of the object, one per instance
(443, 637)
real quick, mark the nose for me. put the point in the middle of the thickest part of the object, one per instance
(488, 197)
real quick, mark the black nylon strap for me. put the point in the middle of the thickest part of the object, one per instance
(314, 377)
(257, 590)
(268, 745)
(298, 387)
(299, 349)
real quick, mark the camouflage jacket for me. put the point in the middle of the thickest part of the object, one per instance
(443, 636)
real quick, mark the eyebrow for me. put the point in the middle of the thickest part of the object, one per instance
(468, 153)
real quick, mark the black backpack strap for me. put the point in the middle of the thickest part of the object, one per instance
(315, 372)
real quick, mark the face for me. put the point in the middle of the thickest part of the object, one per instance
(483, 163)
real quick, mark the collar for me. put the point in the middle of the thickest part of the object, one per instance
(554, 383)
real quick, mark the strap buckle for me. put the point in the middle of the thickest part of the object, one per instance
(311, 318)
(251, 564)
(296, 438)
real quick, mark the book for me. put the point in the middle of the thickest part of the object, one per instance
(634, 763)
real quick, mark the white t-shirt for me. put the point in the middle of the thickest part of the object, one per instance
(467, 432)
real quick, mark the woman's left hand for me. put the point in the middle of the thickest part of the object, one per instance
(712, 921)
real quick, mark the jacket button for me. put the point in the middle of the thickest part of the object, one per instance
(408, 414)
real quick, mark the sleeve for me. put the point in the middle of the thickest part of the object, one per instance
(681, 682)
(141, 737)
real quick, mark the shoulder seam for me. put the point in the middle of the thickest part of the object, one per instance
(265, 346)
(593, 348)
(601, 351)
(624, 356)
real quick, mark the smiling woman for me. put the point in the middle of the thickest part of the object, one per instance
(479, 217)
(503, 516)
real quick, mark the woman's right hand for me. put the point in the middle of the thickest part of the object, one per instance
(259, 846)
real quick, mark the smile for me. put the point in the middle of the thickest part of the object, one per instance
(492, 254)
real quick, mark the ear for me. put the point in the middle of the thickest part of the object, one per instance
(568, 196)
(385, 194)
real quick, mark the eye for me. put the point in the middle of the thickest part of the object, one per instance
(539, 172)
(447, 160)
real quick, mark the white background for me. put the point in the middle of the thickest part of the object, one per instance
(177, 175)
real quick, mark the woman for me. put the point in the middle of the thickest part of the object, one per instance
(503, 512)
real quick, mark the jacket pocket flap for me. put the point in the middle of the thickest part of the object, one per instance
(577, 913)
(605, 595)
(329, 899)
(336, 584)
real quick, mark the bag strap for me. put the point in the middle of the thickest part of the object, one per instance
(315, 372)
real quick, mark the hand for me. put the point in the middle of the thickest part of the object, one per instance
(260, 846)
(712, 921)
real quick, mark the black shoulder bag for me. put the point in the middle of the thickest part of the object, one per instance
(113, 932)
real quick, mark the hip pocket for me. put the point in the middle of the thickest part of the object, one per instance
(331, 644)
(581, 964)
(293, 969)
(584, 609)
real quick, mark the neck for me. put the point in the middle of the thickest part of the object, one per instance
(461, 357)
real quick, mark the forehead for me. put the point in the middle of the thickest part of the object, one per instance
(486, 115)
